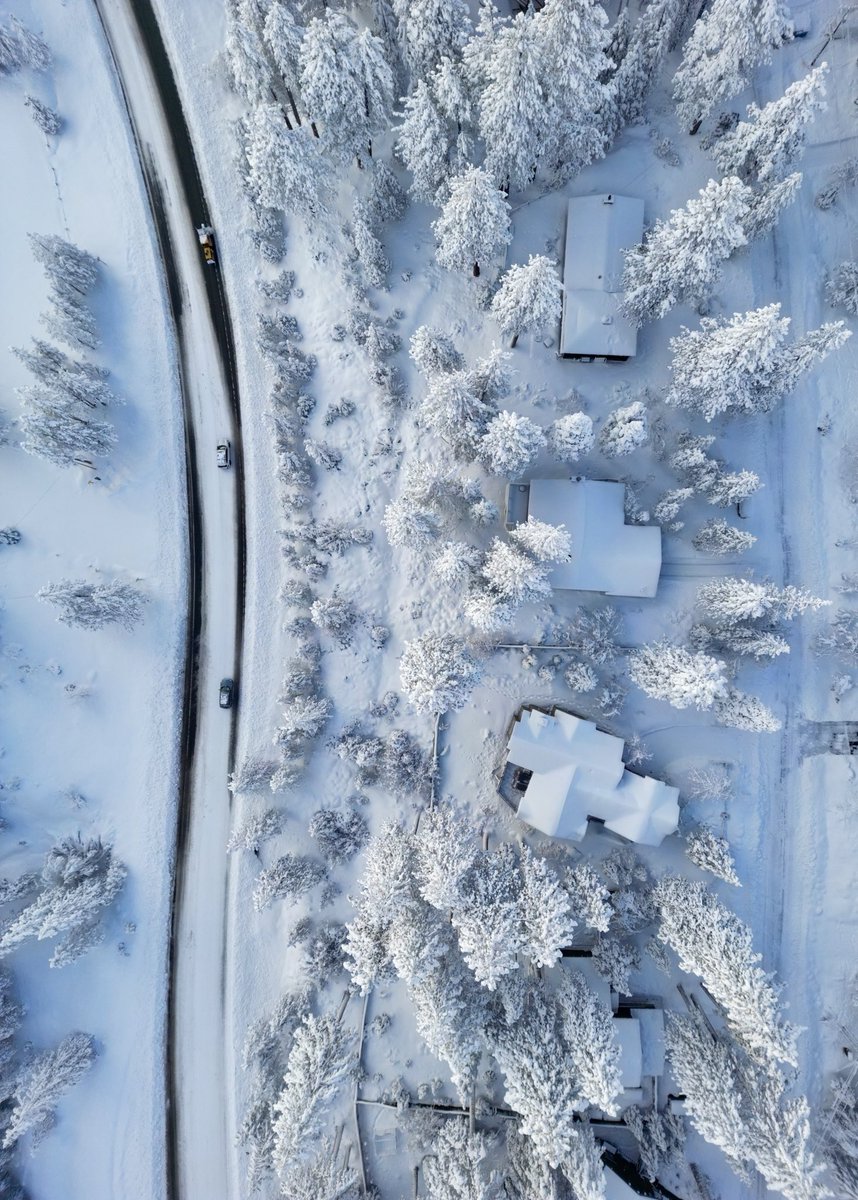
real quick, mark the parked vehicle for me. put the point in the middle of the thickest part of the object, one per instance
(206, 235)
(224, 457)
(226, 695)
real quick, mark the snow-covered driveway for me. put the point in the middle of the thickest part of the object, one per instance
(197, 1127)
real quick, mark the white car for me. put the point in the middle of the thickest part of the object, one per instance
(223, 455)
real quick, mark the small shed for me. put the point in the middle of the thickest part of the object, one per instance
(598, 230)
(608, 556)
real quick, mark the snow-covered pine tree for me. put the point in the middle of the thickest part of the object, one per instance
(593, 1054)
(841, 289)
(256, 828)
(320, 1059)
(582, 1165)
(510, 444)
(320, 1178)
(809, 349)
(624, 430)
(514, 575)
(726, 43)
(79, 880)
(93, 605)
(289, 878)
(767, 204)
(730, 600)
(487, 917)
(547, 543)
(422, 144)
(571, 60)
(346, 83)
(433, 352)
(680, 260)
(450, 88)
(286, 167)
(411, 525)
(53, 429)
(438, 672)
(42, 1083)
(717, 537)
(82, 381)
(513, 115)
(387, 199)
(46, 118)
(651, 37)
(474, 223)
(682, 678)
(548, 922)
(246, 60)
(371, 254)
(430, 30)
(458, 413)
(712, 942)
(528, 299)
(710, 852)
(570, 437)
(761, 148)
(459, 1165)
(738, 710)
(454, 564)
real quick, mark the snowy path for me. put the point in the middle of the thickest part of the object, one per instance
(197, 1130)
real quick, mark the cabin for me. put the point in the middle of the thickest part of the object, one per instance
(566, 772)
(598, 231)
(608, 556)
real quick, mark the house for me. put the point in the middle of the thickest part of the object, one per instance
(608, 556)
(569, 772)
(598, 230)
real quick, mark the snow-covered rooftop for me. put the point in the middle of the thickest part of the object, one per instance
(598, 230)
(578, 775)
(608, 556)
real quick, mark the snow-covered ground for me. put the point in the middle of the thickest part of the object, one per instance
(94, 713)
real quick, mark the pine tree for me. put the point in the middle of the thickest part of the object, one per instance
(289, 878)
(346, 82)
(52, 429)
(428, 31)
(320, 1058)
(454, 564)
(474, 223)
(286, 167)
(841, 290)
(547, 543)
(256, 828)
(458, 413)
(514, 575)
(422, 144)
(810, 349)
(680, 260)
(433, 351)
(438, 672)
(571, 60)
(43, 1082)
(738, 710)
(711, 853)
(510, 444)
(487, 917)
(761, 148)
(726, 43)
(767, 204)
(459, 1168)
(528, 299)
(593, 1054)
(547, 921)
(46, 118)
(571, 437)
(411, 525)
(284, 36)
(93, 605)
(717, 537)
(371, 255)
(387, 199)
(451, 91)
(513, 116)
(730, 600)
(715, 944)
(653, 35)
(78, 881)
(682, 678)
(582, 1166)
(624, 430)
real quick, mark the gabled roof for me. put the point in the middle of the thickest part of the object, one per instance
(578, 775)
(598, 230)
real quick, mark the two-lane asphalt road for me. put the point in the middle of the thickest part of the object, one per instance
(199, 1161)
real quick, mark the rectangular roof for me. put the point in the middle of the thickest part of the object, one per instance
(608, 556)
(598, 230)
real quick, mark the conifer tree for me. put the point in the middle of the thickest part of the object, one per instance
(528, 299)
(286, 169)
(422, 143)
(474, 223)
(513, 115)
(429, 30)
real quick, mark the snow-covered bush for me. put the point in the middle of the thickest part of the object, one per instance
(251, 775)
(303, 717)
(438, 672)
(93, 605)
(323, 455)
(339, 835)
(571, 437)
(255, 829)
(624, 430)
(79, 880)
(682, 678)
(47, 120)
(528, 299)
(335, 615)
(289, 878)
(510, 444)
(581, 677)
(741, 711)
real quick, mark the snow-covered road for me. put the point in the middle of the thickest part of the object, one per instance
(198, 1161)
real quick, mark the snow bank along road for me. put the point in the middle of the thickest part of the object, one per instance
(197, 1159)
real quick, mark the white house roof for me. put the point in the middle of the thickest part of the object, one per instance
(598, 230)
(608, 556)
(578, 775)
